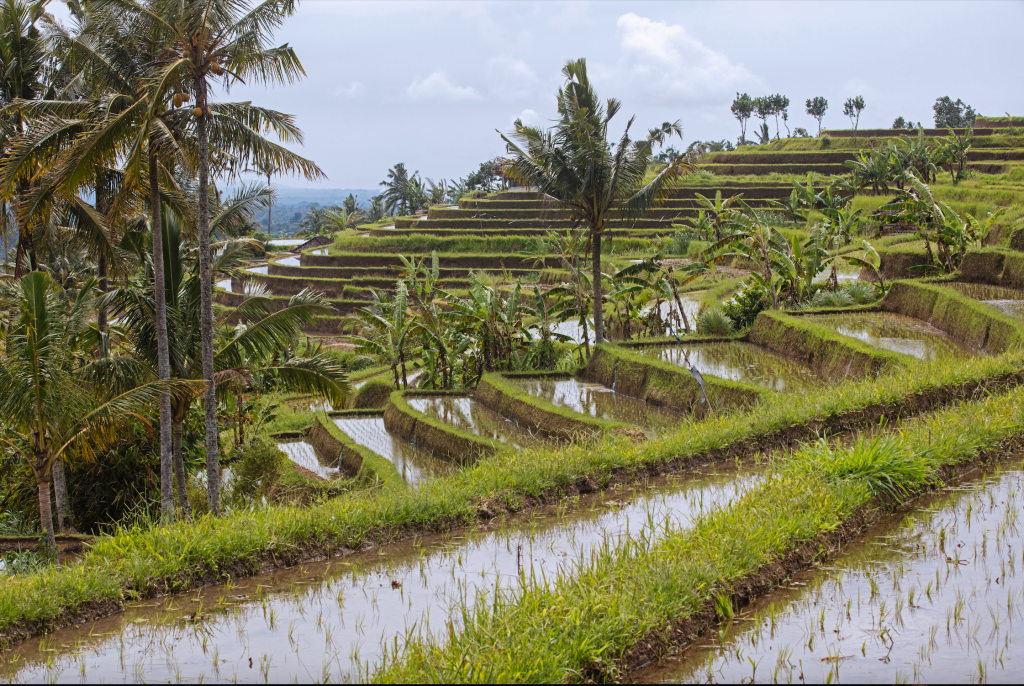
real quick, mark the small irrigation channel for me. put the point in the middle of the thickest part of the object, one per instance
(895, 332)
(332, 620)
(740, 361)
(930, 596)
(597, 400)
(414, 464)
(465, 413)
(1007, 300)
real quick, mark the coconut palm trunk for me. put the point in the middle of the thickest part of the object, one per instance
(179, 470)
(163, 358)
(206, 299)
(60, 495)
(596, 267)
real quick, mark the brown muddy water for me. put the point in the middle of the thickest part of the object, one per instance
(414, 464)
(895, 332)
(467, 414)
(329, 621)
(600, 401)
(933, 596)
(739, 361)
(305, 455)
(1007, 300)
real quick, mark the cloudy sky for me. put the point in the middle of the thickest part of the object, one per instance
(427, 83)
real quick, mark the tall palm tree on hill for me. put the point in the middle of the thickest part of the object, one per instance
(575, 164)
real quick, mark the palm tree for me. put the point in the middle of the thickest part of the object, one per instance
(48, 406)
(396, 190)
(247, 349)
(575, 164)
(23, 59)
(229, 41)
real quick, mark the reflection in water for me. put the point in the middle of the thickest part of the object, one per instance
(292, 261)
(1007, 300)
(739, 361)
(690, 301)
(225, 284)
(415, 465)
(325, 621)
(930, 598)
(600, 401)
(287, 241)
(465, 413)
(894, 332)
(304, 455)
(262, 269)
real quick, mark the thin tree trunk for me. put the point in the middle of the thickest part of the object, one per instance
(60, 493)
(596, 267)
(101, 315)
(206, 310)
(163, 363)
(45, 513)
(179, 472)
(270, 207)
(679, 302)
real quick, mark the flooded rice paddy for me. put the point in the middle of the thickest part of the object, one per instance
(292, 261)
(895, 332)
(306, 456)
(328, 621)
(931, 597)
(1007, 300)
(739, 361)
(287, 241)
(600, 401)
(261, 269)
(467, 414)
(415, 465)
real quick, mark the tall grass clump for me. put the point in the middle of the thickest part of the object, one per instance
(713, 322)
(885, 465)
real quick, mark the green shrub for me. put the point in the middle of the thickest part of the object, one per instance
(862, 293)
(257, 465)
(679, 244)
(713, 322)
(826, 298)
(826, 141)
(885, 465)
(744, 307)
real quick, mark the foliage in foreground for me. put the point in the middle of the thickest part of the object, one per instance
(174, 557)
(582, 623)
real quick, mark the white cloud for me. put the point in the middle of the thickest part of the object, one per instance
(668, 64)
(438, 86)
(356, 89)
(510, 78)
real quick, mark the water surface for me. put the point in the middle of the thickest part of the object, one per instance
(305, 455)
(895, 332)
(740, 361)
(415, 465)
(1007, 300)
(292, 261)
(467, 414)
(600, 401)
(325, 621)
(287, 241)
(932, 597)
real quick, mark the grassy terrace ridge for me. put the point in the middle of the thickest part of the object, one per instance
(627, 604)
(355, 460)
(835, 355)
(139, 563)
(864, 141)
(443, 440)
(500, 393)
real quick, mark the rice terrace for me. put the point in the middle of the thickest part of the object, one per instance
(617, 405)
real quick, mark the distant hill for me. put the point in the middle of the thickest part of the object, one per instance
(293, 203)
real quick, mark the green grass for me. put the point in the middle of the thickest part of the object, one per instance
(144, 561)
(580, 626)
